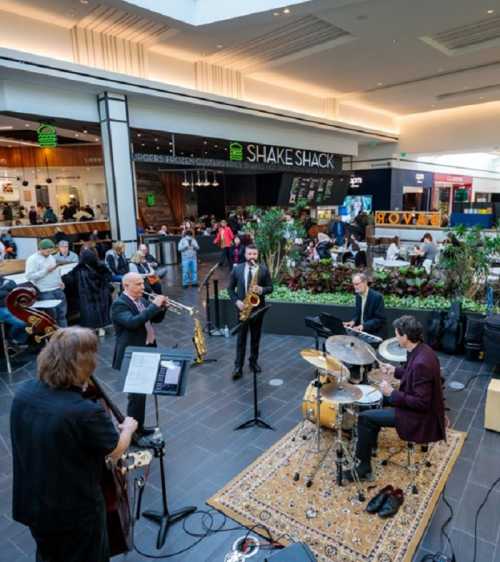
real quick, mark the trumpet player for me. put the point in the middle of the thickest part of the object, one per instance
(249, 280)
(132, 316)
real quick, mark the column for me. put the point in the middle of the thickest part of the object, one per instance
(120, 178)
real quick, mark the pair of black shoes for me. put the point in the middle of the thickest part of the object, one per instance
(386, 502)
(143, 438)
(238, 371)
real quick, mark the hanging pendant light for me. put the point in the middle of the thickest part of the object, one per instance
(215, 183)
(206, 183)
(198, 181)
(185, 183)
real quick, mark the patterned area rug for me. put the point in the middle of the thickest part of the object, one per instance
(329, 518)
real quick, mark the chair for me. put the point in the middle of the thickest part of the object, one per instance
(412, 466)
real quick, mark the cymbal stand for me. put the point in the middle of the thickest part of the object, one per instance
(317, 440)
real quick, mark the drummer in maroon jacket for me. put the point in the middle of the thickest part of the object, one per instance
(416, 410)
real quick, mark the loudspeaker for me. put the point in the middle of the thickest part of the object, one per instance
(297, 552)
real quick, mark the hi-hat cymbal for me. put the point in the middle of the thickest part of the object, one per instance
(349, 350)
(341, 393)
(322, 361)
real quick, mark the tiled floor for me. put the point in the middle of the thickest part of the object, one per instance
(204, 452)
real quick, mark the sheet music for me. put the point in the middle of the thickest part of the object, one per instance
(142, 372)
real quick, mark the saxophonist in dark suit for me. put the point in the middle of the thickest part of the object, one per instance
(249, 279)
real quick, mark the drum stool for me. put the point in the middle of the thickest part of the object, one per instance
(411, 466)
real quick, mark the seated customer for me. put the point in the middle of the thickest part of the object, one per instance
(64, 254)
(369, 315)
(416, 410)
(427, 251)
(324, 246)
(394, 249)
(116, 261)
(161, 271)
(18, 333)
(138, 264)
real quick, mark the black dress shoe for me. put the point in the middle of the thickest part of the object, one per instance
(254, 366)
(145, 430)
(363, 473)
(392, 504)
(378, 501)
(237, 374)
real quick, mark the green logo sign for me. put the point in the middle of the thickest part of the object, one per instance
(236, 152)
(47, 136)
(150, 200)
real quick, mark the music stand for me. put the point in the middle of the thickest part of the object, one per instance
(256, 420)
(163, 385)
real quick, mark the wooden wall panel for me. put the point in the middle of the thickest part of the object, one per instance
(31, 157)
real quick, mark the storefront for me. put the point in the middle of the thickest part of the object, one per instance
(450, 189)
(182, 175)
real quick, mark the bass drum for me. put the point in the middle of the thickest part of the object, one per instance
(328, 409)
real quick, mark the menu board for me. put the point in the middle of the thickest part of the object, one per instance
(318, 190)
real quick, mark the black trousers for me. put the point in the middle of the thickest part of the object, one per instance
(225, 257)
(136, 406)
(370, 422)
(255, 329)
(86, 543)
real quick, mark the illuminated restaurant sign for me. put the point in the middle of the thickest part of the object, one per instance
(404, 218)
(47, 136)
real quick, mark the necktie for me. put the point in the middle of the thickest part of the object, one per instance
(150, 337)
(249, 279)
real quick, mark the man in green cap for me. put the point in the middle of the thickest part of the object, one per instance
(42, 271)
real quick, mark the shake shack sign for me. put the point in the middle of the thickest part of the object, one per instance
(283, 157)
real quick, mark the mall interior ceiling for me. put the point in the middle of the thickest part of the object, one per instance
(371, 62)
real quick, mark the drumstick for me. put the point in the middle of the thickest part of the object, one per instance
(372, 353)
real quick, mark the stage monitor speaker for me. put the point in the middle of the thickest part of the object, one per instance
(297, 552)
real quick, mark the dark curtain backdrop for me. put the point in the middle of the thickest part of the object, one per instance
(175, 195)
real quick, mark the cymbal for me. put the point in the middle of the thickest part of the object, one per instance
(322, 361)
(342, 394)
(349, 350)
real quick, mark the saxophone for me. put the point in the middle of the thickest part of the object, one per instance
(251, 299)
(200, 345)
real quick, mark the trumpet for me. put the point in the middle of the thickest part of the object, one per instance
(174, 306)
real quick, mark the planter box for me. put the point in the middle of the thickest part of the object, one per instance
(288, 318)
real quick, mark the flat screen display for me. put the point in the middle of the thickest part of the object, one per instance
(355, 204)
(318, 190)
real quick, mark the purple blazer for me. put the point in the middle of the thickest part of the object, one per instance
(419, 402)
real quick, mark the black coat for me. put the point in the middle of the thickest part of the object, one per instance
(6, 286)
(374, 318)
(90, 282)
(130, 324)
(236, 287)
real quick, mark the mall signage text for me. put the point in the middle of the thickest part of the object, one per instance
(410, 218)
(282, 156)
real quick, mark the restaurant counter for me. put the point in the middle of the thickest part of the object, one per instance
(26, 237)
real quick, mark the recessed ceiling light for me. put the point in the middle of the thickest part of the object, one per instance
(96, 139)
(156, 140)
(170, 143)
(26, 124)
(143, 144)
(491, 12)
(286, 11)
(77, 135)
(220, 46)
(157, 148)
(85, 131)
(205, 142)
(380, 83)
(276, 14)
(138, 134)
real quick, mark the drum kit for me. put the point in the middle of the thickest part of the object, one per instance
(332, 403)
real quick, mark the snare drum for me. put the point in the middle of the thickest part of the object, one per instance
(372, 398)
(327, 409)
